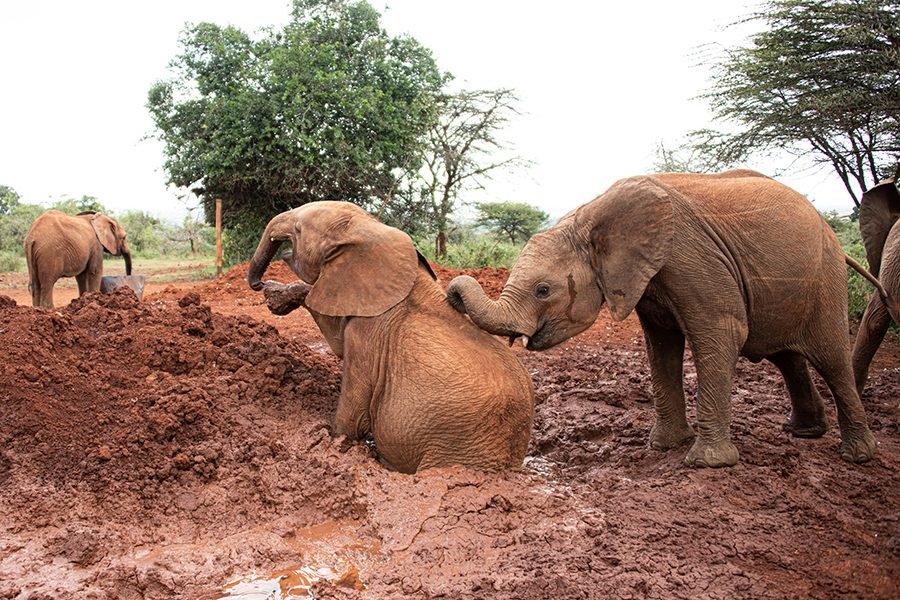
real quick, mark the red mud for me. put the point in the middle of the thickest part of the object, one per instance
(169, 448)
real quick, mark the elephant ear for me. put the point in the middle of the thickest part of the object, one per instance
(366, 269)
(631, 234)
(879, 209)
(105, 228)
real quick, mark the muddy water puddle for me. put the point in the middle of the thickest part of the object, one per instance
(330, 551)
(280, 585)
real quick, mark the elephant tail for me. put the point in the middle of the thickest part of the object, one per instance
(870, 278)
(32, 265)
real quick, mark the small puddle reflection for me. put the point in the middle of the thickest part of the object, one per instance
(280, 585)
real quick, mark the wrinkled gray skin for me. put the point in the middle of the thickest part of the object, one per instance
(734, 264)
(431, 388)
(879, 224)
(61, 245)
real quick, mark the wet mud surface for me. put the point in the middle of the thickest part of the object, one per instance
(181, 447)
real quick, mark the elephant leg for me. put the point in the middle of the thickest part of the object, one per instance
(82, 280)
(715, 355)
(665, 350)
(874, 325)
(45, 292)
(832, 361)
(94, 276)
(807, 418)
(352, 417)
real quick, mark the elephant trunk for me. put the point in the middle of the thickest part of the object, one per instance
(126, 253)
(494, 316)
(276, 232)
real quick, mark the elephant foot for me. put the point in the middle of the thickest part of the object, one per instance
(858, 448)
(720, 454)
(806, 428)
(666, 436)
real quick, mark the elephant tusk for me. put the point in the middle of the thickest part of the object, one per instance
(525, 341)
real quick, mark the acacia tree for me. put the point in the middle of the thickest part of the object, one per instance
(822, 80)
(462, 152)
(329, 107)
(516, 220)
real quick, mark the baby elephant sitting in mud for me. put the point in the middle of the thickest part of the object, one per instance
(429, 386)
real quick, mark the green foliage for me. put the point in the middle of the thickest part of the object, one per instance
(73, 206)
(11, 261)
(516, 220)
(240, 240)
(473, 253)
(146, 234)
(820, 80)
(326, 108)
(14, 226)
(9, 199)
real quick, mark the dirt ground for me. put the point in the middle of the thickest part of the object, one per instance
(180, 447)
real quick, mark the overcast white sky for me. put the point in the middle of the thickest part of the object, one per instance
(600, 84)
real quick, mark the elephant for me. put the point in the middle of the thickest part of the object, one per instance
(879, 224)
(61, 245)
(426, 384)
(734, 263)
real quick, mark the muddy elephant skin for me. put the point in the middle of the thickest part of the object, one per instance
(429, 386)
(734, 264)
(879, 224)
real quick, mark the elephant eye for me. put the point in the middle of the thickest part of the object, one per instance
(542, 290)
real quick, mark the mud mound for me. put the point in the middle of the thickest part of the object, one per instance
(165, 420)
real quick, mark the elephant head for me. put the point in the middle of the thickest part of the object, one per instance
(354, 265)
(111, 235)
(604, 251)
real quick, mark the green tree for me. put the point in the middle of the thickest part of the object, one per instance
(822, 81)
(145, 232)
(195, 233)
(9, 199)
(14, 225)
(463, 150)
(329, 107)
(515, 220)
(73, 206)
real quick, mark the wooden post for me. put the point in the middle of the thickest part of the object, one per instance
(218, 237)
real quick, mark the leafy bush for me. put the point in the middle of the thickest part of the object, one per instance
(14, 226)
(11, 261)
(473, 253)
(240, 240)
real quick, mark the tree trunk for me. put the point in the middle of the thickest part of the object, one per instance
(441, 244)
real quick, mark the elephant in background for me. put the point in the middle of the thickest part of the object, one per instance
(734, 264)
(879, 224)
(61, 245)
(429, 386)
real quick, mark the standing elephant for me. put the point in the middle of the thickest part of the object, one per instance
(430, 387)
(735, 263)
(60, 245)
(879, 224)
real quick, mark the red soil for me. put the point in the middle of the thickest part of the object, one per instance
(168, 447)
